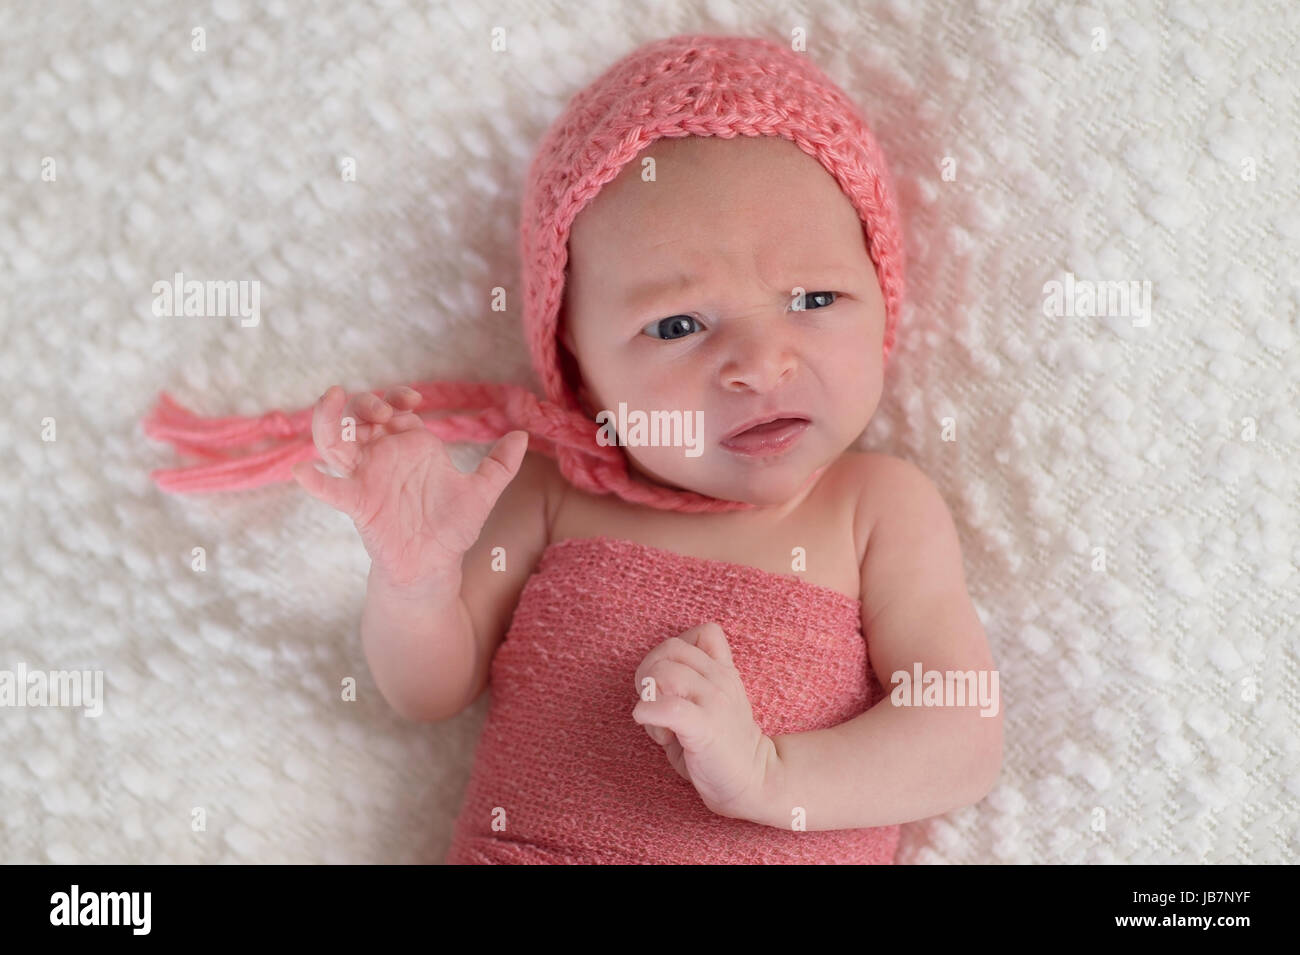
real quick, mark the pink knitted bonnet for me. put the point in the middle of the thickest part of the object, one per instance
(680, 86)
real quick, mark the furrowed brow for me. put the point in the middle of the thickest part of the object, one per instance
(642, 297)
(646, 295)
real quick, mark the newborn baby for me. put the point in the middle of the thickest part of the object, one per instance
(675, 681)
(680, 297)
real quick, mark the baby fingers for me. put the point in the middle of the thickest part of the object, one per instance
(368, 408)
(403, 398)
(404, 401)
(328, 435)
(671, 678)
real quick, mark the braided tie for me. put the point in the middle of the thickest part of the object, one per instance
(485, 412)
(277, 424)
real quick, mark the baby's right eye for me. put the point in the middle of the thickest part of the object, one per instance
(667, 328)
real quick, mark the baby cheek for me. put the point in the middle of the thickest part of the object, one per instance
(856, 375)
(657, 389)
(855, 360)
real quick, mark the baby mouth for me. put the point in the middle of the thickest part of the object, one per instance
(770, 437)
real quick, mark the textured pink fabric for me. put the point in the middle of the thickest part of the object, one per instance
(579, 781)
(690, 85)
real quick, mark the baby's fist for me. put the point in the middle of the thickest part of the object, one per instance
(693, 703)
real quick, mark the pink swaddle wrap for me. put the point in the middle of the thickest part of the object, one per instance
(574, 779)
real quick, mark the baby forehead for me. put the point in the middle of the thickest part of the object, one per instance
(739, 161)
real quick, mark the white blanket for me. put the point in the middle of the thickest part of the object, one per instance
(1125, 490)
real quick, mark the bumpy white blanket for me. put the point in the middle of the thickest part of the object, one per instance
(1123, 473)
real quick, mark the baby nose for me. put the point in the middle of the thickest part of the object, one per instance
(761, 359)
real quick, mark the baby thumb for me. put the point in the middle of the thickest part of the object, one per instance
(501, 463)
(339, 493)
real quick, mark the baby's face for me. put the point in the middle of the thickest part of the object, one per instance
(681, 296)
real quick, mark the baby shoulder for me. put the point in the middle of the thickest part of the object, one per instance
(541, 479)
(886, 487)
(877, 470)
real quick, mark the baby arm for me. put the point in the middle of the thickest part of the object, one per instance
(895, 763)
(434, 611)
(419, 643)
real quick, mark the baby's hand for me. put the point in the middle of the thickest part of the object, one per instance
(697, 709)
(416, 513)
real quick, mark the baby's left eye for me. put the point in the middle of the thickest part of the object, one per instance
(814, 300)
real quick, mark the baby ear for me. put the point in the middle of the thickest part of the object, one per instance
(570, 369)
(584, 400)
(566, 336)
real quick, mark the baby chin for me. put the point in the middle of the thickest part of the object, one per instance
(757, 473)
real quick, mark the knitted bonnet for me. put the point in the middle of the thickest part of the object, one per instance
(680, 86)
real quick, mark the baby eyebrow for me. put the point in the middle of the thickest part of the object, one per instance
(646, 295)
(643, 297)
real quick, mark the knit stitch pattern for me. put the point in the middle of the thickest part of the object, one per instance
(576, 780)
